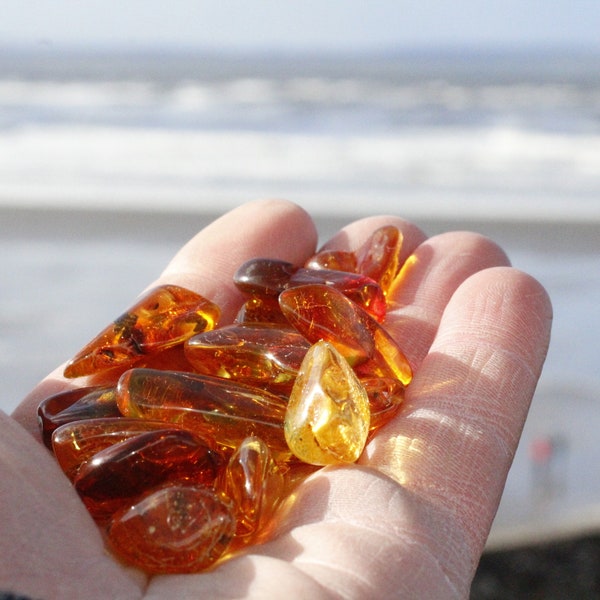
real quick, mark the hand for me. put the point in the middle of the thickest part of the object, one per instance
(411, 520)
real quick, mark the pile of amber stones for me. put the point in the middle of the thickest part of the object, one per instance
(193, 433)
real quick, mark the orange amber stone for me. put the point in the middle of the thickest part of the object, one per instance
(164, 317)
(260, 354)
(75, 443)
(261, 309)
(175, 529)
(327, 419)
(385, 397)
(254, 482)
(359, 288)
(213, 408)
(379, 257)
(75, 405)
(338, 260)
(323, 313)
(117, 475)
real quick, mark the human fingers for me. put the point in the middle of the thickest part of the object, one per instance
(206, 264)
(452, 445)
(50, 546)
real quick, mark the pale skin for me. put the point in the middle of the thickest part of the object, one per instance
(411, 519)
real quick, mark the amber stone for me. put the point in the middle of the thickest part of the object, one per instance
(320, 312)
(255, 484)
(213, 408)
(117, 475)
(260, 354)
(386, 395)
(172, 359)
(328, 416)
(379, 257)
(359, 288)
(261, 309)
(263, 276)
(75, 443)
(175, 529)
(338, 260)
(164, 317)
(74, 405)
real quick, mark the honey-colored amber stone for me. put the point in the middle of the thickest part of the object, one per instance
(263, 276)
(261, 309)
(171, 359)
(164, 317)
(175, 529)
(117, 475)
(260, 354)
(386, 395)
(328, 417)
(75, 405)
(214, 408)
(338, 260)
(255, 483)
(320, 312)
(379, 257)
(359, 288)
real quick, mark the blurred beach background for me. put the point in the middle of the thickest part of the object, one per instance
(118, 143)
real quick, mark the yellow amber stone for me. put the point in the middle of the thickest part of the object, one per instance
(327, 419)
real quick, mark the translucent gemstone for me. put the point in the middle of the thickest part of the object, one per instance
(75, 443)
(254, 482)
(320, 312)
(175, 529)
(74, 405)
(260, 354)
(327, 419)
(378, 258)
(338, 260)
(119, 474)
(213, 408)
(386, 395)
(263, 276)
(261, 309)
(172, 359)
(359, 288)
(164, 317)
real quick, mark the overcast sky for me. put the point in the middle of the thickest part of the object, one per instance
(300, 25)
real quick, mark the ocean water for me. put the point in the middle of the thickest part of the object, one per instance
(108, 163)
(446, 135)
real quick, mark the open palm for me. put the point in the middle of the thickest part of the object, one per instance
(411, 519)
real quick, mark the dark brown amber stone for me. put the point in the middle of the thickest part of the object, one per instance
(338, 260)
(359, 288)
(117, 475)
(75, 443)
(213, 408)
(260, 354)
(75, 405)
(255, 483)
(378, 258)
(320, 312)
(263, 276)
(164, 317)
(175, 529)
